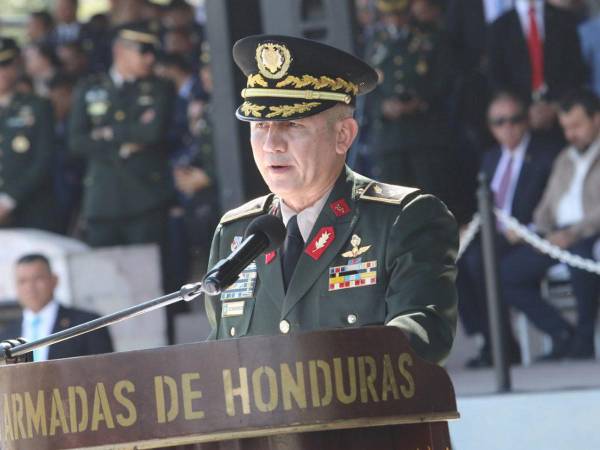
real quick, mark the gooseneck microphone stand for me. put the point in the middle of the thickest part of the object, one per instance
(15, 351)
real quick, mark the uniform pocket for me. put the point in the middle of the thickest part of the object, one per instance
(235, 318)
(354, 307)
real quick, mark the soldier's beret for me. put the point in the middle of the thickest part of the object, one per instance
(290, 77)
(9, 51)
(141, 34)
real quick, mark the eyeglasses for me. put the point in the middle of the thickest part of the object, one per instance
(501, 121)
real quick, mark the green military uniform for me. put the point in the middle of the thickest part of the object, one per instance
(411, 149)
(400, 242)
(377, 253)
(126, 187)
(26, 155)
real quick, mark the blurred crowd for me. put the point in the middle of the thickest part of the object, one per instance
(503, 87)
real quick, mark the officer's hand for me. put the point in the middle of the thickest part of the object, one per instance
(512, 237)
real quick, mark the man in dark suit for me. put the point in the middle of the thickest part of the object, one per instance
(43, 315)
(518, 168)
(534, 50)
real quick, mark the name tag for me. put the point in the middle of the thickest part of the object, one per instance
(243, 287)
(232, 309)
(352, 275)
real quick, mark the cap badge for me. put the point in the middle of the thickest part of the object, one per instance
(273, 60)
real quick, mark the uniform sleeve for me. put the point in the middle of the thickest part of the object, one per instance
(212, 303)
(80, 128)
(42, 144)
(151, 131)
(421, 295)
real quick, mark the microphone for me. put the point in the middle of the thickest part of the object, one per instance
(265, 233)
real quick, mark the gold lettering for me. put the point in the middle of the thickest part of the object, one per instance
(241, 391)
(75, 392)
(18, 413)
(408, 390)
(293, 387)
(189, 395)
(367, 382)
(317, 400)
(258, 389)
(341, 395)
(161, 404)
(8, 429)
(58, 419)
(389, 379)
(36, 416)
(120, 386)
(101, 408)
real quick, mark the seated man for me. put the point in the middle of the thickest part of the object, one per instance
(569, 217)
(357, 252)
(517, 169)
(43, 315)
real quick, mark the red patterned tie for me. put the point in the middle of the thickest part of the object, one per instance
(504, 183)
(536, 52)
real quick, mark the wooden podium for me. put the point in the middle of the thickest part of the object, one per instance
(341, 389)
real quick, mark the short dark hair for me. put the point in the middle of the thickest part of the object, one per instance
(43, 16)
(509, 95)
(33, 258)
(584, 97)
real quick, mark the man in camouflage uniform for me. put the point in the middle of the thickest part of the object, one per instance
(357, 252)
(409, 132)
(118, 123)
(26, 144)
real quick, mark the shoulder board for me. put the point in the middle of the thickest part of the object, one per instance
(252, 208)
(386, 193)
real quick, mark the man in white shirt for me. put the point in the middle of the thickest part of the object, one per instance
(43, 314)
(569, 217)
(518, 169)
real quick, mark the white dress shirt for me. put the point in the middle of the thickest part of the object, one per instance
(492, 9)
(522, 7)
(307, 217)
(518, 155)
(47, 316)
(570, 207)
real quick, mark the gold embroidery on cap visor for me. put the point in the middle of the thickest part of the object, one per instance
(273, 60)
(251, 109)
(138, 36)
(293, 93)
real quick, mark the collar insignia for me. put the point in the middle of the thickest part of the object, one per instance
(319, 244)
(340, 208)
(270, 257)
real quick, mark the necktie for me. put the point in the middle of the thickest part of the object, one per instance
(504, 183)
(292, 249)
(536, 52)
(35, 334)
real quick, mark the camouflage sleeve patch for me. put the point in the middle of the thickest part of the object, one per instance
(252, 208)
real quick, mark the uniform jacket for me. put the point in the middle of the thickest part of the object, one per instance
(400, 243)
(87, 344)
(533, 177)
(560, 179)
(121, 185)
(509, 66)
(26, 158)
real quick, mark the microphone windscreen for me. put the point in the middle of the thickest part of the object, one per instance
(271, 226)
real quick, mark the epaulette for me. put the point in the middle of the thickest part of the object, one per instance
(385, 193)
(252, 208)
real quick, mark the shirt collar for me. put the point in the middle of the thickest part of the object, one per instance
(586, 157)
(307, 217)
(519, 152)
(522, 6)
(47, 312)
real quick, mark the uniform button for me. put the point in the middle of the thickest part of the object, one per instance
(398, 60)
(284, 326)
(120, 115)
(351, 319)
(232, 331)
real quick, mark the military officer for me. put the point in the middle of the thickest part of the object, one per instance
(409, 134)
(26, 136)
(118, 123)
(357, 252)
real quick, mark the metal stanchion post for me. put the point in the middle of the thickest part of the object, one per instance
(495, 309)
